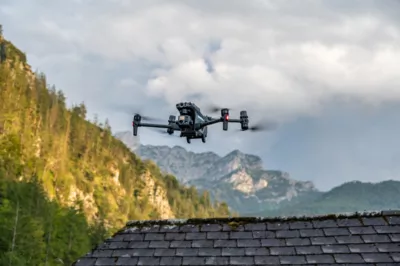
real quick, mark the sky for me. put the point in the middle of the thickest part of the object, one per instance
(328, 72)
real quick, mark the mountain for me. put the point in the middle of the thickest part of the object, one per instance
(240, 180)
(65, 182)
(349, 197)
(183, 164)
(236, 178)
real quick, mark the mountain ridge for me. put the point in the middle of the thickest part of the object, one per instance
(240, 180)
(237, 177)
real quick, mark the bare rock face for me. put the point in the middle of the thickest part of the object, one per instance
(183, 164)
(158, 197)
(237, 178)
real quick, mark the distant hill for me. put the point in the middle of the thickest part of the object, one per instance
(239, 180)
(349, 197)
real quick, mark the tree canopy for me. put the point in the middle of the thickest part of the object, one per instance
(66, 183)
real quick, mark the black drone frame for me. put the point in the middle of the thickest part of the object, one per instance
(173, 125)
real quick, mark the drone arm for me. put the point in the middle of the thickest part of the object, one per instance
(217, 120)
(158, 126)
(212, 122)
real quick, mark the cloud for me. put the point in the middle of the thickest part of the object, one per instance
(282, 59)
(277, 59)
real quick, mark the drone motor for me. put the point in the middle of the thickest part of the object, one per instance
(244, 120)
(225, 117)
(136, 121)
(171, 121)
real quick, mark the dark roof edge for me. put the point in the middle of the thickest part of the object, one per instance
(134, 223)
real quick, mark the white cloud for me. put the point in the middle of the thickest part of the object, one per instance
(272, 56)
(282, 63)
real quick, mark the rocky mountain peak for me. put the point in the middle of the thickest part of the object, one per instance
(237, 178)
(236, 160)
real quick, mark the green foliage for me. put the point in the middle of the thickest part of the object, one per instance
(36, 231)
(67, 183)
(187, 203)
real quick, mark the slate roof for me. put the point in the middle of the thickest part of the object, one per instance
(360, 238)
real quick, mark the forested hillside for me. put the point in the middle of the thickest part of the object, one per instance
(66, 182)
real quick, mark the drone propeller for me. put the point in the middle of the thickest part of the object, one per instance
(148, 118)
(163, 132)
(212, 108)
(262, 126)
(131, 110)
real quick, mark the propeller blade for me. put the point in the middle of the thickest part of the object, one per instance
(135, 110)
(262, 126)
(149, 118)
(212, 108)
(163, 132)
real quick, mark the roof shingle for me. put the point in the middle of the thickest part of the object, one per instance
(360, 238)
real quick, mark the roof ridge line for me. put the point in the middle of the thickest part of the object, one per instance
(264, 219)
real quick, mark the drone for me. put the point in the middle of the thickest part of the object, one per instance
(192, 123)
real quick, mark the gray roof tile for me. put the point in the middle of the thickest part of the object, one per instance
(319, 259)
(217, 235)
(266, 260)
(395, 237)
(217, 261)
(362, 230)
(309, 250)
(211, 228)
(225, 243)
(256, 252)
(180, 244)
(105, 261)
(172, 260)
(393, 220)
(311, 232)
(395, 256)
(349, 239)
(373, 221)
(193, 261)
(298, 259)
(363, 248)
(148, 261)
(348, 258)
(85, 262)
(376, 257)
(363, 238)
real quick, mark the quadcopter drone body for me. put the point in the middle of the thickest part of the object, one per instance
(191, 123)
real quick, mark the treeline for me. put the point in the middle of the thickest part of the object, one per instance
(36, 231)
(78, 163)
